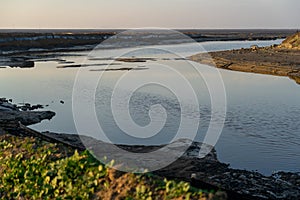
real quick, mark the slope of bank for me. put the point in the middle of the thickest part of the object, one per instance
(282, 60)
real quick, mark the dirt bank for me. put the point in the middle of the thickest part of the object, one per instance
(282, 60)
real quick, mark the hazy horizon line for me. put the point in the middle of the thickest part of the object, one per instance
(192, 28)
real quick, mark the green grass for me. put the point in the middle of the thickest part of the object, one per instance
(34, 169)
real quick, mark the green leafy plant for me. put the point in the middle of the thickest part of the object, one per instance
(34, 169)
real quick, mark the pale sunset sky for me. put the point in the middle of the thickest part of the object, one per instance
(149, 13)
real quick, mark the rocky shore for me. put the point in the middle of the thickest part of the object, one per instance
(279, 60)
(207, 172)
(11, 115)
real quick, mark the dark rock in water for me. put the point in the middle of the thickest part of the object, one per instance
(130, 60)
(22, 64)
(38, 106)
(11, 112)
(118, 69)
(86, 65)
(26, 117)
(28, 107)
(70, 66)
(3, 100)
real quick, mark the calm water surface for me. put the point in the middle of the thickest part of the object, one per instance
(262, 125)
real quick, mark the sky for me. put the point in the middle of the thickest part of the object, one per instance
(149, 13)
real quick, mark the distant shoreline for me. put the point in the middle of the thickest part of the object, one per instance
(13, 41)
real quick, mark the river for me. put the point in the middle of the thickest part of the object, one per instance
(261, 130)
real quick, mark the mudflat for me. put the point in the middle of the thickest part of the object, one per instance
(279, 60)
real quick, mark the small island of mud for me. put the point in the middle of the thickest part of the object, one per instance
(279, 60)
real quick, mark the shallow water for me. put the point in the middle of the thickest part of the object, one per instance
(262, 124)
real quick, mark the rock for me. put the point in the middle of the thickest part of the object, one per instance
(292, 42)
(242, 177)
(3, 100)
(28, 107)
(22, 64)
(26, 117)
(2, 108)
(254, 47)
(5, 106)
(133, 59)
